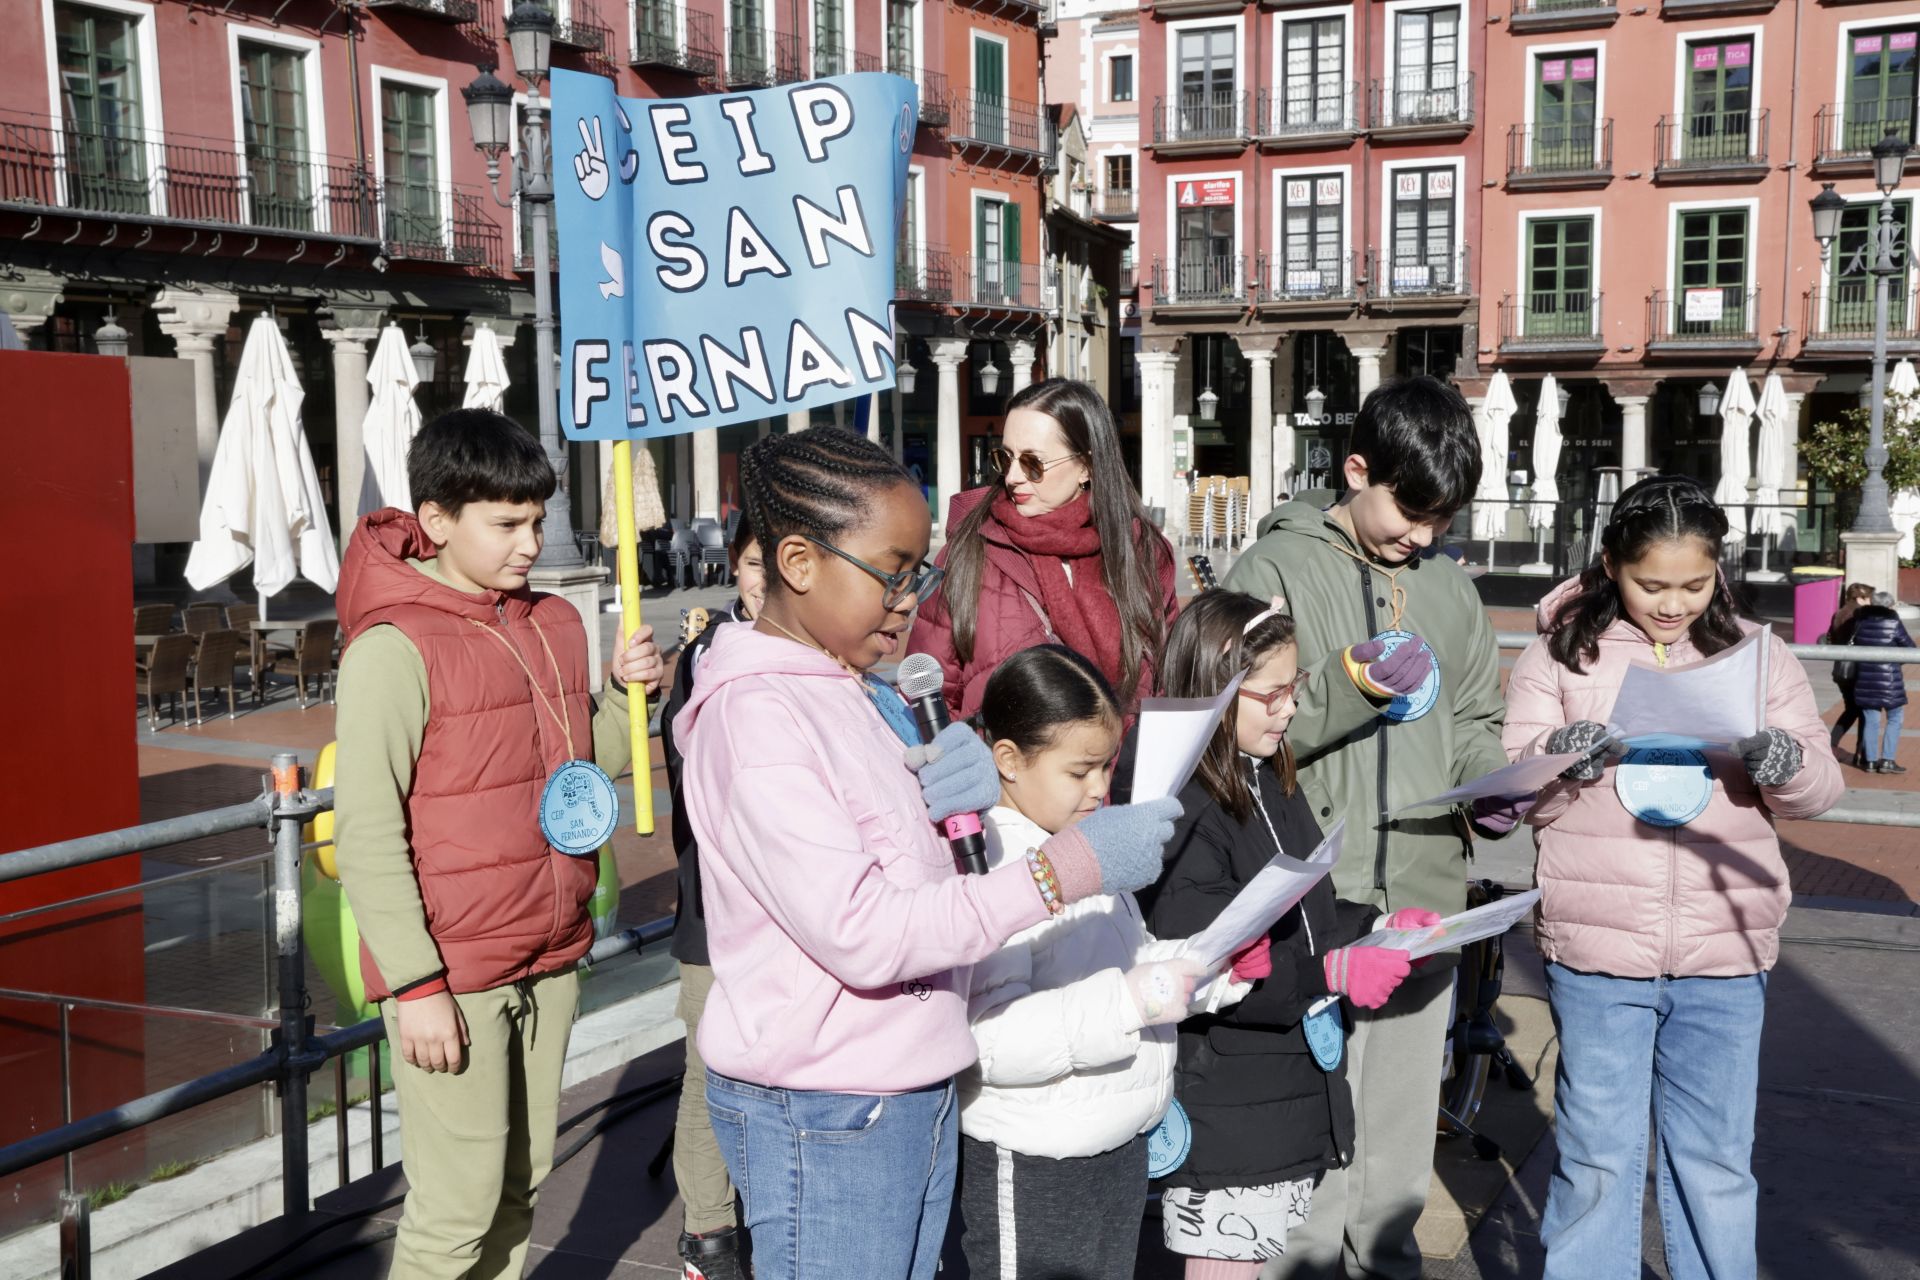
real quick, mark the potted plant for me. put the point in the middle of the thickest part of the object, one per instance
(1836, 452)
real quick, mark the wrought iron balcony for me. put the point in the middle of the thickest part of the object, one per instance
(1196, 123)
(1562, 15)
(1698, 320)
(1839, 319)
(1551, 324)
(1117, 204)
(993, 282)
(451, 11)
(428, 222)
(580, 28)
(1201, 282)
(1433, 102)
(1543, 156)
(1307, 115)
(144, 175)
(1700, 145)
(999, 123)
(1303, 282)
(1423, 274)
(670, 35)
(1844, 133)
(923, 273)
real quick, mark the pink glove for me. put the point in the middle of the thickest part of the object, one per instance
(1366, 975)
(1254, 961)
(1161, 990)
(1412, 918)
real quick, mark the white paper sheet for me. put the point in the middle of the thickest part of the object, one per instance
(1458, 930)
(1523, 777)
(1276, 890)
(1708, 705)
(1174, 733)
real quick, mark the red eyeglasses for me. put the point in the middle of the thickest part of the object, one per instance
(1273, 699)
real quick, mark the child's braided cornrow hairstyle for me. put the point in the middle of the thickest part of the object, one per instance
(815, 483)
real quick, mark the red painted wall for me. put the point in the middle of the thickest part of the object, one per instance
(68, 762)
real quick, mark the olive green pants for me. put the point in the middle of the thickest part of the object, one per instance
(478, 1142)
(706, 1192)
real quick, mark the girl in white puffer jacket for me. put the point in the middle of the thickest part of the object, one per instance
(1074, 1018)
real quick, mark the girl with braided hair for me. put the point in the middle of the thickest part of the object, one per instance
(839, 930)
(1662, 892)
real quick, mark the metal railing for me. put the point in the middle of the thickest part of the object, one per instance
(922, 273)
(757, 60)
(1200, 280)
(1693, 315)
(1427, 274)
(1412, 99)
(994, 120)
(994, 282)
(140, 173)
(1845, 131)
(580, 27)
(1551, 321)
(1326, 277)
(1308, 110)
(1560, 150)
(936, 103)
(1709, 140)
(668, 34)
(1523, 9)
(1200, 117)
(298, 1048)
(434, 223)
(455, 11)
(1116, 203)
(1842, 312)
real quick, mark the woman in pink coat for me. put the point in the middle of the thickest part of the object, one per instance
(1662, 892)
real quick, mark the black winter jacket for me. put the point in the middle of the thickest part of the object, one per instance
(1878, 686)
(689, 919)
(1262, 1110)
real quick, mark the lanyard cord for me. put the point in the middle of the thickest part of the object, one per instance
(846, 666)
(1398, 594)
(564, 718)
(1254, 788)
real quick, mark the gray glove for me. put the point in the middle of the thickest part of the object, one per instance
(957, 773)
(1583, 735)
(1772, 757)
(1113, 850)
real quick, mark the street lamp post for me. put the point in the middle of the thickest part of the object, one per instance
(490, 113)
(1878, 257)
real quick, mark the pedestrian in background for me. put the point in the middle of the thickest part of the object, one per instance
(1880, 688)
(1840, 631)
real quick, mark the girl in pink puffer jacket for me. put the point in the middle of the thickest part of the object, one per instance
(1658, 934)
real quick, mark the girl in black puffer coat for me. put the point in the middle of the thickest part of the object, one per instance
(1880, 688)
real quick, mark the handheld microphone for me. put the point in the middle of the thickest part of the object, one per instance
(919, 681)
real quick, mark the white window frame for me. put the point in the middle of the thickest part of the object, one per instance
(1682, 70)
(1107, 60)
(1538, 51)
(1173, 182)
(918, 174)
(1677, 207)
(633, 28)
(1393, 10)
(1528, 216)
(316, 116)
(974, 36)
(1387, 171)
(152, 118)
(1281, 19)
(1131, 151)
(1910, 198)
(1103, 122)
(1843, 57)
(1238, 25)
(848, 9)
(443, 154)
(766, 37)
(1347, 211)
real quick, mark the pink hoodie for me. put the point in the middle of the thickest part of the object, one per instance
(1631, 900)
(840, 931)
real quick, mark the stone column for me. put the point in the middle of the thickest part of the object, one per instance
(948, 355)
(1157, 372)
(1633, 437)
(873, 417)
(799, 419)
(1284, 445)
(195, 320)
(1022, 351)
(683, 475)
(899, 423)
(706, 474)
(1260, 460)
(351, 333)
(1369, 359)
(29, 300)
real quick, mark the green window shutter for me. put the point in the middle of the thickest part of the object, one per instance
(1010, 233)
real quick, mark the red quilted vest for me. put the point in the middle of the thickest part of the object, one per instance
(501, 903)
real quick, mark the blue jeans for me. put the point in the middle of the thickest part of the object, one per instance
(1873, 720)
(840, 1184)
(1688, 1049)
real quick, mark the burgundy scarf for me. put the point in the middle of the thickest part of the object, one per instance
(1082, 614)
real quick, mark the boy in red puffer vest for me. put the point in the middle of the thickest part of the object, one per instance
(462, 694)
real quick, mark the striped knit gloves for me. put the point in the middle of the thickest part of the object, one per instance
(1772, 757)
(1366, 975)
(1384, 676)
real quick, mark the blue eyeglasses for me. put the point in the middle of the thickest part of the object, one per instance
(918, 582)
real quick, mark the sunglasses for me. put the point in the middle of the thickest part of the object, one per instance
(1032, 467)
(1280, 697)
(918, 582)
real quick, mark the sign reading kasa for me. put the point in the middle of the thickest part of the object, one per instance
(725, 259)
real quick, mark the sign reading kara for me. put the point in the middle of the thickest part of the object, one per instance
(728, 258)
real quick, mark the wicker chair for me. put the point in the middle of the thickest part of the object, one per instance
(213, 669)
(164, 670)
(202, 618)
(240, 618)
(310, 658)
(152, 619)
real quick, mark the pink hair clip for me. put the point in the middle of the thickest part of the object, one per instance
(1277, 607)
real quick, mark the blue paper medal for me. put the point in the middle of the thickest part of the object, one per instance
(1662, 786)
(1169, 1141)
(1410, 706)
(579, 808)
(1326, 1032)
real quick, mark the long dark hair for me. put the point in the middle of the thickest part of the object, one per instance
(1130, 547)
(1034, 694)
(1209, 646)
(814, 483)
(1656, 510)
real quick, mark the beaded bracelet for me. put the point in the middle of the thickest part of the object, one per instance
(1047, 882)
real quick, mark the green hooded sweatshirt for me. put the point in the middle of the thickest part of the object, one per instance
(1353, 763)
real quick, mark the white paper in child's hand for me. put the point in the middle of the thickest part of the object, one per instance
(1702, 706)
(1276, 890)
(1174, 733)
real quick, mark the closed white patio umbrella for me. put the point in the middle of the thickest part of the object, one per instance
(1546, 467)
(1490, 504)
(1904, 382)
(393, 419)
(1736, 420)
(487, 379)
(1770, 521)
(263, 503)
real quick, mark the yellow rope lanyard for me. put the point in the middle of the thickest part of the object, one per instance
(564, 717)
(1398, 594)
(1660, 653)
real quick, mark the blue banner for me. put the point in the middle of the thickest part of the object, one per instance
(725, 258)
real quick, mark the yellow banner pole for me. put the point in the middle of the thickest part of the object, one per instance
(629, 560)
